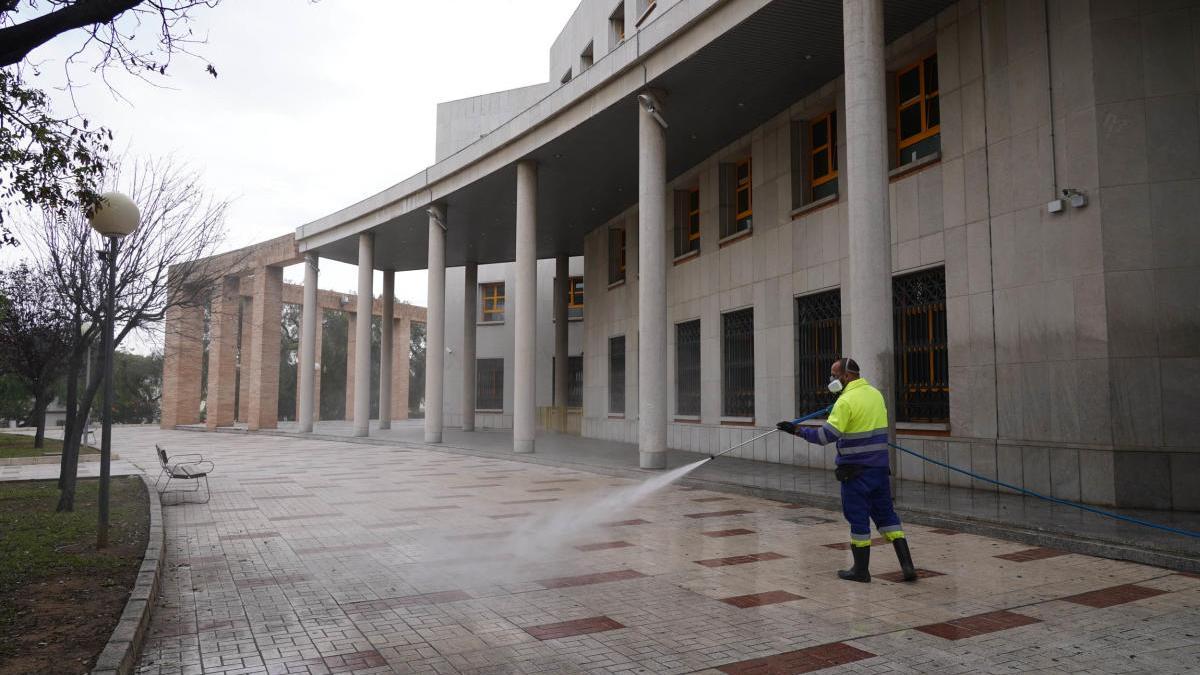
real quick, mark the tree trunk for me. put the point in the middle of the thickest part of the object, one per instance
(39, 413)
(72, 405)
(66, 500)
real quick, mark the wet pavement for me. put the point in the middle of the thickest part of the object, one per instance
(321, 556)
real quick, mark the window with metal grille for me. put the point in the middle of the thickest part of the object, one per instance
(687, 368)
(922, 366)
(737, 363)
(489, 384)
(574, 381)
(616, 255)
(616, 375)
(818, 345)
(736, 203)
(823, 165)
(918, 114)
(687, 221)
(575, 298)
(491, 298)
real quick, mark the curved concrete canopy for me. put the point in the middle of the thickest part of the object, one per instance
(764, 57)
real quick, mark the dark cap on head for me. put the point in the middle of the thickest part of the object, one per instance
(849, 365)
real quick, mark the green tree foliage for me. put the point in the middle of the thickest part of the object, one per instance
(137, 388)
(416, 371)
(333, 364)
(36, 337)
(289, 360)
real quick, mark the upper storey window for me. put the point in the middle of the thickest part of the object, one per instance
(918, 117)
(616, 26)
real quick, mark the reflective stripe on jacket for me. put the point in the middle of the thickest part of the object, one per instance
(859, 425)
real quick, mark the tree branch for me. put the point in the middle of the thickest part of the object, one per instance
(22, 38)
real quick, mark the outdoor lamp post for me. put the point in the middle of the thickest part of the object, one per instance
(115, 217)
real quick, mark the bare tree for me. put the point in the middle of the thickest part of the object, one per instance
(167, 263)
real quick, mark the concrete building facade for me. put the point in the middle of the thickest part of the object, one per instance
(991, 204)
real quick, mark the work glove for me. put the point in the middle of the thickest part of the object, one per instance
(786, 427)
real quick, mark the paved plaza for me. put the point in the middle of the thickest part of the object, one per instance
(326, 557)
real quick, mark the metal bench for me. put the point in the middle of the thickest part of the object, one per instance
(191, 467)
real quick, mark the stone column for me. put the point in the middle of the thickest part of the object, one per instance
(386, 330)
(400, 368)
(264, 349)
(435, 340)
(652, 291)
(362, 334)
(870, 281)
(470, 312)
(525, 310)
(562, 281)
(309, 323)
(183, 359)
(222, 364)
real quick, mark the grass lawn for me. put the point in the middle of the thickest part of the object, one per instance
(60, 598)
(20, 445)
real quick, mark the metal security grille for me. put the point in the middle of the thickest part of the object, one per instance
(489, 384)
(687, 368)
(737, 363)
(574, 381)
(818, 345)
(922, 366)
(616, 375)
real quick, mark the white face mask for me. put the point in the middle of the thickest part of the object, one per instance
(835, 386)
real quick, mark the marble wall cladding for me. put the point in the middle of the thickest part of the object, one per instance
(1073, 337)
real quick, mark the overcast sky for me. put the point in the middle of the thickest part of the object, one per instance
(317, 105)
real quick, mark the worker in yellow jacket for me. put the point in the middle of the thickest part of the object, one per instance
(858, 423)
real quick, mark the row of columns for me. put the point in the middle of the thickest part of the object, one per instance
(869, 287)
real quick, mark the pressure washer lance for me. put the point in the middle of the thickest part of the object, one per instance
(822, 411)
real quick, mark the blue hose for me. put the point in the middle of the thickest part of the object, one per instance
(1031, 493)
(1056, 500)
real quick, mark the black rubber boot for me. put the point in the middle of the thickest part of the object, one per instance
(862, 562)
(905, 558)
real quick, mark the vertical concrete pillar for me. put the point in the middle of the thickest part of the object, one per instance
(386, 331)
(222, 364)
(435, 339)
(525, 310)
(470, 311)
(309, 321)
(265, 326)
(183, 359)
(400, 365)
(562, 280)
(652, 290)
(362, 334)
(870, 282)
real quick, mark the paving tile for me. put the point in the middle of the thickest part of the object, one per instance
(1031, 554)
(589, 579)
(604, 546)
(760, 599)
(305, 516)
(249, 535)
(943, 530)
(717, 514)
(898, 575)
(531, 501)
(979, 624)
(623, 523)
(1114, 595)
(737, 531)
(711, 499)
(565, 629)
(799, 661)
(438, 598)
(503, 516)
(741, 559)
